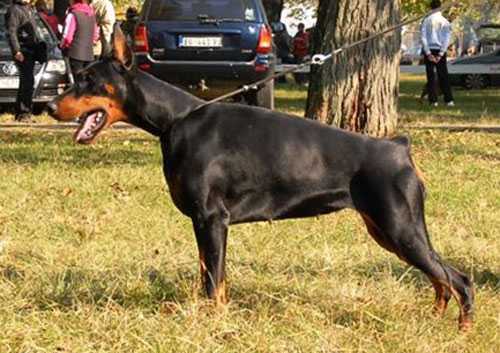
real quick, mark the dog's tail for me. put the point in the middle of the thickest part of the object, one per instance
(405, 141)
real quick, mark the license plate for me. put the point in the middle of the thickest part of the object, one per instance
(200, 42)
(9, 82)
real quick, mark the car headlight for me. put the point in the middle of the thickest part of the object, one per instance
(56, 66)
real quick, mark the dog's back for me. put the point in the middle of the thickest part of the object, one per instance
(269, 165)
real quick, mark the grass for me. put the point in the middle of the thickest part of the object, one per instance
(94, 257)
(479, 107)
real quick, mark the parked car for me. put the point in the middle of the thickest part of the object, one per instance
(489, 37)
(50, 77)
(484, 73)
(412, 55)
(210, 47)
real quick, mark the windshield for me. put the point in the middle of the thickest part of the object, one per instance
(195, 10)
(42, 32)
(489, 33)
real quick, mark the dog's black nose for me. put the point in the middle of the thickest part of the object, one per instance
(52, 108)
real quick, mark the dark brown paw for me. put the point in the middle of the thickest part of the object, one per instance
(465, 323)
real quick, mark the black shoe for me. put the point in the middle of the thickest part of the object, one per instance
(23, 117)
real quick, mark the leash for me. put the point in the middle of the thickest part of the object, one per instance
(319, 59)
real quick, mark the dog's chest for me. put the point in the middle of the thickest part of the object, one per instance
(175, 186)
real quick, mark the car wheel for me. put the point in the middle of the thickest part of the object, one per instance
(475, 81)
(265, 96)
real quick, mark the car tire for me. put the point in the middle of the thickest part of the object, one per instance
(475, 81)
(265, 96)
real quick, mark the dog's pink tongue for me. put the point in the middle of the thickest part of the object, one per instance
(85, 132)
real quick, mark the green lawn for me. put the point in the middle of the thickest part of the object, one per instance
(94, 257)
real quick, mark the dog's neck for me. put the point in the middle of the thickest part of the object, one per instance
(157, 104)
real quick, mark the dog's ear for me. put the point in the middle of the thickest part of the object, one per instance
(121, 51)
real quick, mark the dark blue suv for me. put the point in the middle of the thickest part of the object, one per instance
(209, 47)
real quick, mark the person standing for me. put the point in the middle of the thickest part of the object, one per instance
(48, 17)
(106, 18)
(128, 26)
(79, 34)
(436, 36)
(300, 43)
(300, 50)
(23, 42)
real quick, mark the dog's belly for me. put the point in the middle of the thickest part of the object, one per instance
(293, 204)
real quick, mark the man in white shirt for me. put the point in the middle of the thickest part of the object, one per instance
(436, 36)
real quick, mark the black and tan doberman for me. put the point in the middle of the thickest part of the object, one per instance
(228, 163)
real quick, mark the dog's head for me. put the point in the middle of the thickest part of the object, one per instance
(98, 97)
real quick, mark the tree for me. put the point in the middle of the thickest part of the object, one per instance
(273, 9)
(358, 89)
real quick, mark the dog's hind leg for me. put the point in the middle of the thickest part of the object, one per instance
(211, 236)
(395, 217)
(443, 295)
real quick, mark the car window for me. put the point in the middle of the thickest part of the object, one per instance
(43, 32)
(190, 10)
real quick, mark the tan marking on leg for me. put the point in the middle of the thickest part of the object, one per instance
(220, 294)
(418, 171)
(465, 320)
(375, 232)
(203, 267)
(441, 303)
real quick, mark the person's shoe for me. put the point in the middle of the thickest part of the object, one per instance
(23, 117)
(435, 104)
(450, 104)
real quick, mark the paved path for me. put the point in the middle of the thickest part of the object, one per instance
(120, 126)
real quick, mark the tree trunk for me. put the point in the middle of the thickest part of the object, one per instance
(359, 88)
(273, 9)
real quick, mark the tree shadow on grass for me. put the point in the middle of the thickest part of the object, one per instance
(464, 150)
(71, 287)
(21, 148)
(471, 106)
(482, 279)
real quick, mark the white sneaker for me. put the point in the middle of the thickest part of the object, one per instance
(450, 104)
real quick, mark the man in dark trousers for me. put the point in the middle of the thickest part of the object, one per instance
(436, 35)
(20, 23)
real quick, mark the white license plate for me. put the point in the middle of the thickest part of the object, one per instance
(200, 42)
(9, 82)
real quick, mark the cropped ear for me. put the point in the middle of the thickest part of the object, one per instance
(121, 51)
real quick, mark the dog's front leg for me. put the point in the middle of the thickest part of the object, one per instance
(211, 236)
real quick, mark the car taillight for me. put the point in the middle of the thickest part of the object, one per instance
(141, 44)
(265, 41)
